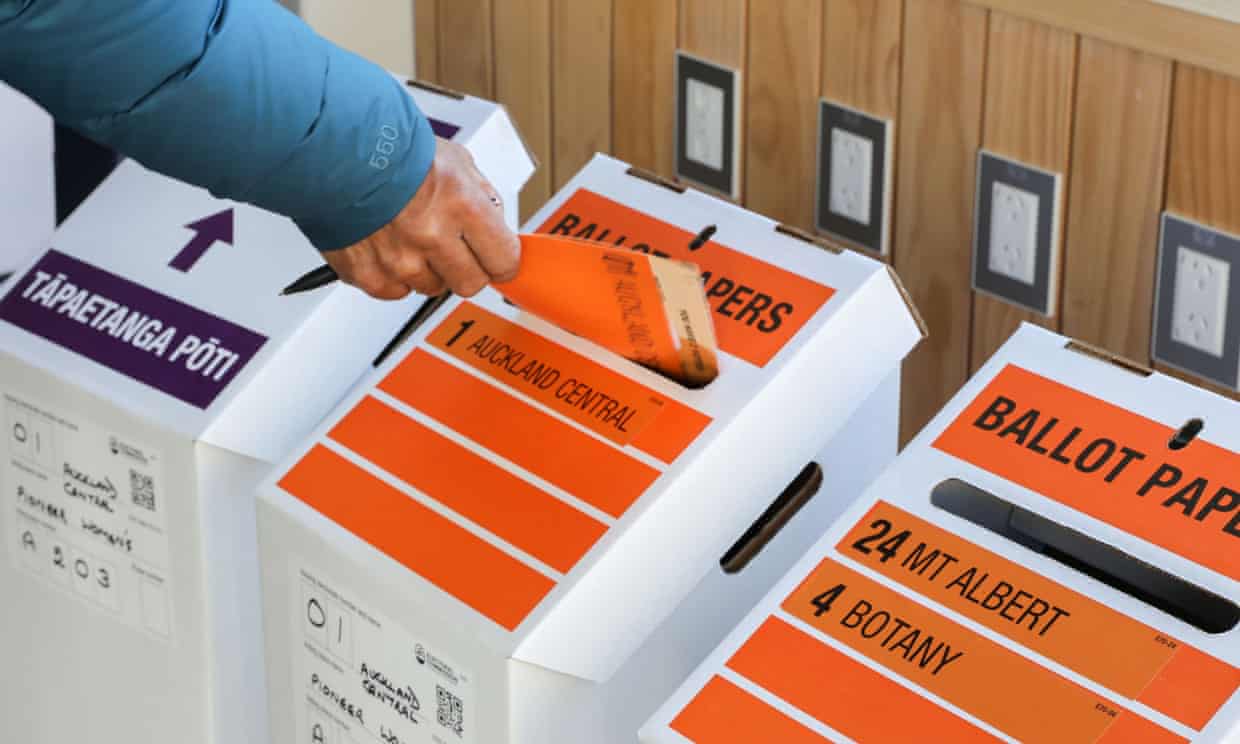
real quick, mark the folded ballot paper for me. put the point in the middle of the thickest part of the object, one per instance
(649, 309)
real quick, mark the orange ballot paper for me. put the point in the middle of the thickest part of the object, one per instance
(648, 309)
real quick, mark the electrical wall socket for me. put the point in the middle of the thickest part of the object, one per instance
(704, 128)
(1016, 233)
(1197, 316)
(852, 162)
(1199, 304)
(708, 124)
(854, 176)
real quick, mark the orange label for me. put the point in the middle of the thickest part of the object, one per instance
(593, 471)
(450, 557)
(594, 396)
(467, 483)
(647, 309)
(1009, 691)
(723, 713)
(758, 307)
(843, 693)
(1107, 462)
(1085, 636)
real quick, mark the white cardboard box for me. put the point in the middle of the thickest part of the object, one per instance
(27, 179)
(150, 375)
(1056, 558)
(469, 547)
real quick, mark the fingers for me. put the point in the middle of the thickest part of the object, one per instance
(359, 266)
(411, 269)
(456, 263)
(451, 235)
(497, 248)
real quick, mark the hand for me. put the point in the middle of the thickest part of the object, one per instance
(451, 235)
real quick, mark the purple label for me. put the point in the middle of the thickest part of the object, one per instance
(152, 338)
(443, 128)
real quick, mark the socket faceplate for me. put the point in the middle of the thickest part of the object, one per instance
(1197, 311)
(854, 176)
(1016, 233)
(708, 124)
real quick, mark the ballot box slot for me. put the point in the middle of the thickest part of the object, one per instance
(438, 89)
(764, 529)
(1187, 433)
(656, 179)
(1171, 594)
(1102, 355)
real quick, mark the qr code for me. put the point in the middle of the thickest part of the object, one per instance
(142, 487)
(451, 711)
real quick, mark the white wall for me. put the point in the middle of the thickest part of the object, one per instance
(380, 30)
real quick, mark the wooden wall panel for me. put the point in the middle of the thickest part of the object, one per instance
(426, 39)
(644, 103)
(581, 84)
(1119, 111)
(1173, 33)
(715, 30)
(781, 128)
(1123, 108)
(938, 134)
(466, 61)
(1204, 178)
(861, 54)
(1030, 76)
(523, 84)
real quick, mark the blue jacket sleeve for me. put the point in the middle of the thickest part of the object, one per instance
(237, 96)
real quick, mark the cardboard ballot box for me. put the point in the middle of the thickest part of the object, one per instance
(149, 374)
(1055, 558)
(484, 532)
(27, 173)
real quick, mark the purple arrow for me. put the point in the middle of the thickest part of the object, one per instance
(217, 227)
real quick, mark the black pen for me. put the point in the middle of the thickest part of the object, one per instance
(320, 277)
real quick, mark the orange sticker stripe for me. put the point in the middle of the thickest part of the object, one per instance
(723, 713)
(843, 693)
(1192, 687)
(592, 471)
(1107, 462)
(1084, 635)
(478, 574)
(472, 486)
(1009, 691)
(758, 307)
(594, 396)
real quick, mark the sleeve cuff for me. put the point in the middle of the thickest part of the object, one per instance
(340, 228)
